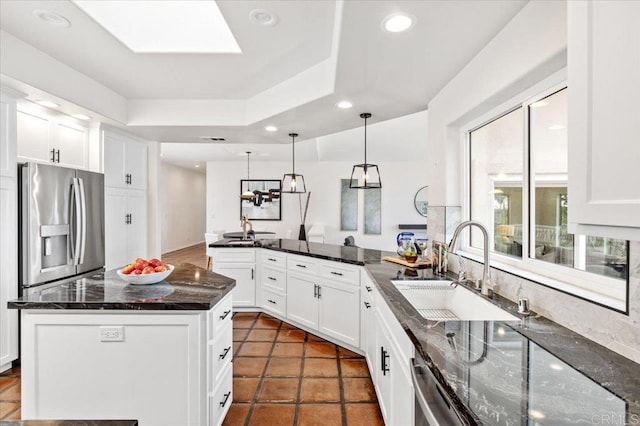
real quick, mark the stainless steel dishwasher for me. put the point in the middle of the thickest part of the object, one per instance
(432, 407)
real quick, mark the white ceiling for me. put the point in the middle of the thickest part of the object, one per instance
(290, 75)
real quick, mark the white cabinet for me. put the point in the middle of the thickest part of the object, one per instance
(603, 68)
(367, 323)
(8, 231)
(125, 160)
(125, 226)
(219, 358)
(46, 138)
(331, 307)
(273, 280)
(239, 264)
(125, 179)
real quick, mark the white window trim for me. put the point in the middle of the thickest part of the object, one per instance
(603, 290)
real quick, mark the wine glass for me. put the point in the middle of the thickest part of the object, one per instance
(423, 244)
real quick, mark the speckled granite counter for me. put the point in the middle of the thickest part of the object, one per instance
(187, 288)
(532, 371)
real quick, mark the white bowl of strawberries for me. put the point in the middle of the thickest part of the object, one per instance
(142, 271)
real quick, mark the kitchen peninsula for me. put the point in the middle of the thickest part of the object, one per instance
(97, 347)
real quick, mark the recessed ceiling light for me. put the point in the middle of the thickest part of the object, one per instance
(263, 17)
(344, 104)
(398, 22)
(556, 127)
(168, 26)
(81, 116)
(48, 104)
(539, 104)
(271, 128)
(197, 165)
(52, 18)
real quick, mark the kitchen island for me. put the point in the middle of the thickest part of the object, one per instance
(530, 371)
(97, 348)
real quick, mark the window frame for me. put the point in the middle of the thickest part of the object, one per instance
(605, 291)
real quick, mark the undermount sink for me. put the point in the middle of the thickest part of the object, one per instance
(439, 300)
(241, 243)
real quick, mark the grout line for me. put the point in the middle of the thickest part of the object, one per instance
(11, 412)
(299, 393)
(343, 407)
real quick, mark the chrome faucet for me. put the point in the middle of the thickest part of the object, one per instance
(245, 222)
(484, 285)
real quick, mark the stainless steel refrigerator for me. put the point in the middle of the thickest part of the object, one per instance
(61, 223)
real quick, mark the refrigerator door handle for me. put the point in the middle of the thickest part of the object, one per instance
(83, 220)
(75, 221)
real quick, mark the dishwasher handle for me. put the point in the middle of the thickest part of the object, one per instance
(433, 404)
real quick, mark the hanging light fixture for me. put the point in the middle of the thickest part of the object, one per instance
(248, 194)
(291, 182)
(367, 173)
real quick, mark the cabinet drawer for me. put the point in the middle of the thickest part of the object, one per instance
(221, 352)
(302, 264)
(220, 317)
(234, 255)
(274, 302)
(220, 400)
(275, 279)
(335, 271)
(271, 258)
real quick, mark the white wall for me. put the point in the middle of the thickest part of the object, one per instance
(531, 47)
(183, 207)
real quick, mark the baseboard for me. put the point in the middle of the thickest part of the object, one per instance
(183, 248)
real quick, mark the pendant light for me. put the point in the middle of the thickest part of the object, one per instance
(291, 182)
(366, 172)
(248, 194)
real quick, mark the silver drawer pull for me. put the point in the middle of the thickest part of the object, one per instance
(301, 266)
(367, 305)
(272, 259)
(226, 398)
(271, 301)
(226, 314)
(336, 273)
(224, 353)
(272, 279)
(368, 288)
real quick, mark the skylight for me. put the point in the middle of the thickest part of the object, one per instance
(164, 26)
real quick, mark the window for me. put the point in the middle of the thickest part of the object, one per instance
(518, 171)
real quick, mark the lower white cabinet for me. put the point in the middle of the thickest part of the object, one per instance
(302, 299)
(239, 264)
(367, 321)
(125, 226)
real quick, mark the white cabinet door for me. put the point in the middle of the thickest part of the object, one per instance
(302, 303)
(114, 174)
(136, 229)
(603, 68)
(367, 326)
(244, 293)
(72, 142)
(339, 311)
(34, 138)
(135, 164)
(8, 271)
(115, 228)
(402, 404)
(7, 135)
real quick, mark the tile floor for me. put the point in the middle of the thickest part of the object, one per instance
(10, 394)
(285, 376)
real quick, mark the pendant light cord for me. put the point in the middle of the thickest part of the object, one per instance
(293, 150)
(248, 176)
(365, 141)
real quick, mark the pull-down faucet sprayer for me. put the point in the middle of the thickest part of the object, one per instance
(484, 285)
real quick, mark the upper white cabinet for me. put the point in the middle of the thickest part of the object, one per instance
(125, 161)
(604, 130)
(46, 138)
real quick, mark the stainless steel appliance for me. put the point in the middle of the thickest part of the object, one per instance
(61, 223)
(432, 407)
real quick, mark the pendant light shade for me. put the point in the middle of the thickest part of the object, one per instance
(365, 175)
(291, 182)
(248, 194)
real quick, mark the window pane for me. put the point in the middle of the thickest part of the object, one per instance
(496, 182)
(552, 242)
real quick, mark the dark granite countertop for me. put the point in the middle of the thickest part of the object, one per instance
(532, 371)
(187, 288)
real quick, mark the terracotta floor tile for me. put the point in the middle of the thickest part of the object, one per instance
(243, 322)
(244, 390)
(282, 349)
(320, 350)
(272, 415)
(346, 353)
(246, 315)
(319, 415)
(320, 367)
(284, 367)
(16, 415)
(269, 323)
(255, 349)
(364, 415)
(236, 415)
(286, 326)
(358, 390)
(7, 407)
(12, 393)
(287, 335)
(239, 334)
(354, 368)
(236, 347)
(278, 390)
(314, 338)
(320, 390)
(262, 335)
(248, 366)
(7, 382)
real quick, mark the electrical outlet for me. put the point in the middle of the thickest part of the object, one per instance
(112, 333)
